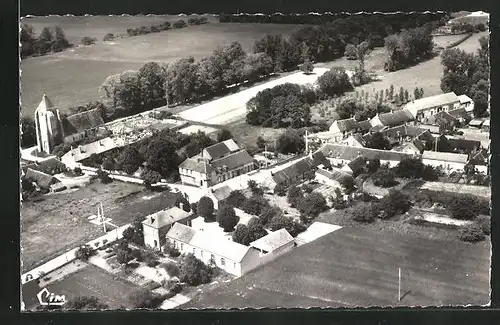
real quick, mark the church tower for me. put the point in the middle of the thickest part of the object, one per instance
(48, 124)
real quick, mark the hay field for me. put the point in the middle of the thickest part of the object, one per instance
(72, 77)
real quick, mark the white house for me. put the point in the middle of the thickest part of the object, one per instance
(449, 161)
(315, 231)
(391, 119)
(156, 225)
(428, 106)
(232, 257)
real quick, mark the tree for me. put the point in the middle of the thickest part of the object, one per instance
(226, 217)
(104, 176)
(312, 205)
(406, 96)
(350, 52)
(338, 202)
(138, 230)
(463, 207)
(184, 82)
(472, 233)
(224, 135)
(294, 196)
(161, 156)
(45, 40)
(384, 177)
(347, 183)
(150, 177)
(28, 41)
(206, 207)
(280, 221)
(182, 202)
(128, 234)
(193, 271)
(255, 204)
(241, 235)
(290, 142)
(363, 212)
(378, 141)
(85, 303)
(334, 82)
(28, 137)
(86, 40)
(83, 253)
(281, 189)
(373, 165)
(408, 47)
(151, 80)
(60, 42)
(409, 168)
(235, 199)
(130, 159)
(256, 229)
(256, 66)
(394, 203)
(261, 143)
(255, 188)
(307, 66)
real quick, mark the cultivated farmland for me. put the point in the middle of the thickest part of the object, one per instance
(72, 77)
(59, 222)
(356, 267)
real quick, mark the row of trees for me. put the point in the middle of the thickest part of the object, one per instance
(166, 25)
(51, 39)
(469, 74)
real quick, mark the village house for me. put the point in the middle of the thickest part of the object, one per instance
(450, 162)
(477, 123)
(467, 103)
(231, 257)
(332, 177)
(82, 152)
(443, 120)
(156, 225)
(355, 166)
(457, 145)
(395, 118)
(300, 170)
(349, 125)
(43, 181)
(219, 195)
(428, 106)
(315, 231)
(480, 161)
(414, 147)
(340, 155)
(216, 164)
(406, 133)
(354, 140)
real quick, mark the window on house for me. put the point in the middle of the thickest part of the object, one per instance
(222, 261)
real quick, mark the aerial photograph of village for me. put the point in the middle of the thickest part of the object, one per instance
(255, 161)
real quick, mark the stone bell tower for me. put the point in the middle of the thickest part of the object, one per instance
(48, 124)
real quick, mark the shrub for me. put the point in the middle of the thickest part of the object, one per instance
(108, 37)
(83, 253)
(280, 189)
(294, 196)
(206, 207)
(464, 207)
(255, 188)
(373, 165)
(143, 298)
(78, 171)
(86, 40)
(84, 303)
(485, 223)
(236, 199)
(472, 233)
(193, 271)
(364, 212)
(312, 205)
(128, 233)
(393, 203)
(104, 176)
(226, 217)
(171, 268)
(173, 287)
(268, 213)
(280, 221)
(255, 205)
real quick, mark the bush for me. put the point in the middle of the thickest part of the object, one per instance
(312, 205)
(280, 221)
(128, 234)
(485, 223)
(171, 250)
(255, 205)
(78, 171)
(83, 253)
(384, 178)
(235, 199)
(464, 207)
(255, 188)
(84, 303)
(108, 37)
(171, 268)
(193, 271)
(173, 287)
(364, 212)
(393, 204)
(205, 207)
(104, 176)
(143, 298)
(179, 24)
(472, 233)
(294, 196)
(334, 82)
(88, 40)
(280, 189)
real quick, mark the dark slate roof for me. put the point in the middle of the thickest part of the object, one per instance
(458, 113)
(165, 217)
(320, 159)
(337, 151)
(440, 119)
(82, 121)
(222, 193)
(347, 124)
(197, 164)
(419, 144)
(294, 170)
(43, 180)
(364, 125)
(357, 164)
(334, 174)
(221, 149)
(396, 118)
(181, 233)
(480, 158)
(233, 161)
(464, 144)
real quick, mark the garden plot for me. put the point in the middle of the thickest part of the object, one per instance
(481, 191)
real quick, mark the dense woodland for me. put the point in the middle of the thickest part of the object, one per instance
(51, 39)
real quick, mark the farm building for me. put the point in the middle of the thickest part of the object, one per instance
(467, 103)
(349, 125)
(415, 147)
(43, 181)
(156, 225)
(391, 119)
(332, 177)
(449, 161)
(457, 145)
(355, 166)
(354, 140)
(300, 170)
(425, 107)
(441, 119)
(273, 244)
(406, 133)
(340, 155)
(231, 257)
(83, 152)
(219, 195)
(216, 164)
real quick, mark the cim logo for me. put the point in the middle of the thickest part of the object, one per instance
(47, 298)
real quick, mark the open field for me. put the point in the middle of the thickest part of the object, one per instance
(73, 77)
(232, 108)
(93, 281)
(481, 191)
(357, 267)
(426, 75)
(59, 222)
(445, 40)
(246, 135)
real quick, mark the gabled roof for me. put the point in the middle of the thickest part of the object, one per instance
(85, 151)
(477, 122)
(347, 124)
(486, 123)
(294, 170)
(221, 193)
(432, 101)
(334, 174)
(317, 230)
(445, 156)
(440, 119)
(45, 103)
(83, 121)
(320, 159)
(197, 164)
(480, 158)
(466, 144)
(181, 233)
(43, 180)
(364, 125)
(396, 118)
(233, 161)
(165, 217)
(221, 149)
(464, 99)
(219, 246)
(337, 151)
(273, 240)
(458, 113)
(357, 164)
(418, 144)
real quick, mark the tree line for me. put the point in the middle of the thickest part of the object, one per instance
(469, 74)
(166, 25)
(51, 39)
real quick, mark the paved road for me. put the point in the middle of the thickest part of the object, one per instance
(232, 108)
